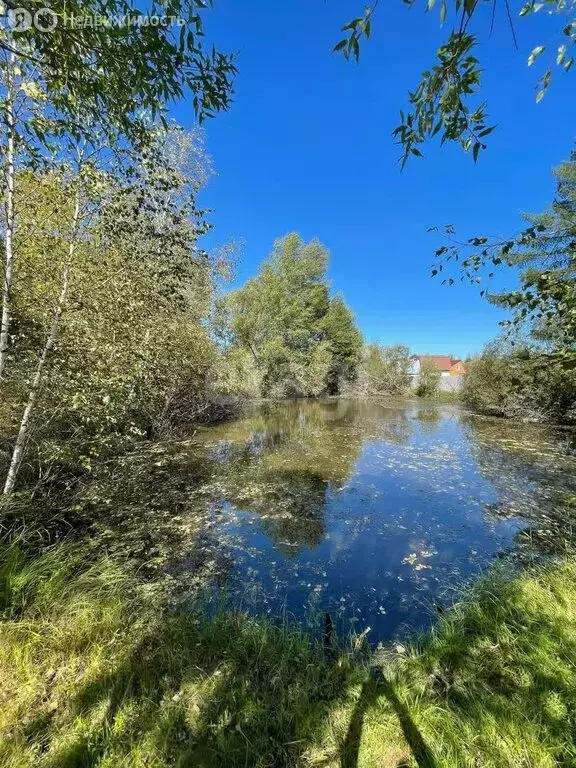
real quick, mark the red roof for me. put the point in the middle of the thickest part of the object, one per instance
(442, 362)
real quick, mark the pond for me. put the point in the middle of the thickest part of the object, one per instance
(376, 513)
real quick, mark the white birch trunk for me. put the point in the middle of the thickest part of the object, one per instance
(20, 444)
(9, 221)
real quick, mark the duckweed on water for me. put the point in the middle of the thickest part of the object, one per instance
(308, 507)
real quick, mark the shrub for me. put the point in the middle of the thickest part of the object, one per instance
(524, 384)
(428, 380)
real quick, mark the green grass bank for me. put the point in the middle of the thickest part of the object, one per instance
(94, 671)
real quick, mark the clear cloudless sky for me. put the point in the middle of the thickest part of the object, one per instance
(306, 147)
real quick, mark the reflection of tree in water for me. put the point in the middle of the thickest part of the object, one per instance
(278, 461)
(325, 441)
(286, 483)
(373, 420)
(275, 424)
(162, 506)
(269, 426)
(165, 505)
(429, 419)
(297, 520)
(534, 473)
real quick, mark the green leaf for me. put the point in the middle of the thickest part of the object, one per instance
(486, 131)
(535, 53)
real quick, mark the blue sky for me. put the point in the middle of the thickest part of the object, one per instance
(306, 147)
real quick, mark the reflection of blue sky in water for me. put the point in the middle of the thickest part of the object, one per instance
(417, 515)
(371, 513)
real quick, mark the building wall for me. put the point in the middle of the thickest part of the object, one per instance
(415, 367)
(458, 369)
(445, 383)
(451, 383)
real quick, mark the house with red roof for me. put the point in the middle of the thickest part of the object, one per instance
(444, 364)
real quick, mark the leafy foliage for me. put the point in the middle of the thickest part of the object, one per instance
(133, 347)
(545, 302)
(384, 370)
(439, 103)
(519, 382)
(301, 341)
(94, 80)
(428, 380)
(86, 66)
(444, 103)
(345, 342)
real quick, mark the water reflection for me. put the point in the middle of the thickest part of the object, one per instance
(371, 512)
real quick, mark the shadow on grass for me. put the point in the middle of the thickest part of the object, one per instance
(224, 692)
(91, 674)
(374, 688)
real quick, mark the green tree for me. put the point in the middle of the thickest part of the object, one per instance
(517, 381)
(133, 352)
(312, 378)
(94, 64)
(86, 66)
(345, 342)
(278, 316)
(384, 370)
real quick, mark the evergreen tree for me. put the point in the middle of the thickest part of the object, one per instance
(345, 342)
(545, 302)
(546, 250)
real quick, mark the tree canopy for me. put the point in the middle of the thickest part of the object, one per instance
(300, 340)
(105, 56)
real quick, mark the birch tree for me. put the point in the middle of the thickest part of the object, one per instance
(10, 128)
(101, 63)
(76, 186)
(51, 339)
(117, 346)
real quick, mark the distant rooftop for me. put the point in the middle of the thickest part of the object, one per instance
(441, 362)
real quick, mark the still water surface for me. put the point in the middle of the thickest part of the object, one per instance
(375, 513)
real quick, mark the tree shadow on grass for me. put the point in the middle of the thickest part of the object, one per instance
(228, 691)
(501, 671)
(187, 690)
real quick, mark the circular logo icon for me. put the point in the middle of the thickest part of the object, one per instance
(45, 20)
(19, 19)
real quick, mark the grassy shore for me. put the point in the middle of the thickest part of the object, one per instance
(94, 671)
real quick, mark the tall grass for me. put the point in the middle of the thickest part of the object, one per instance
(94, 671)
(494, 684)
